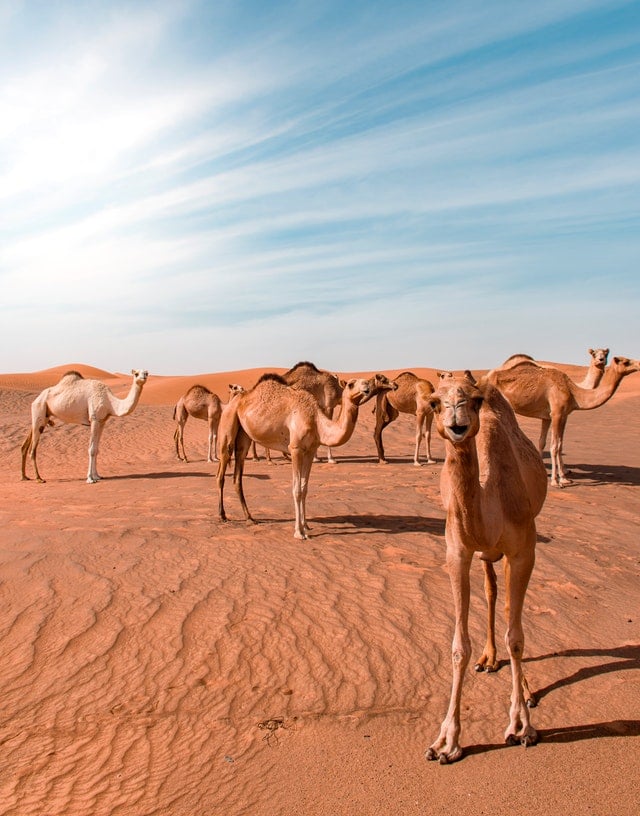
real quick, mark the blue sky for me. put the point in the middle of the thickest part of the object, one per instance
(191, 187)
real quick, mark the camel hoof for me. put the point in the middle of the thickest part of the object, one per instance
(531, 702)
(511, 739)
(443, 759)
(382, 462)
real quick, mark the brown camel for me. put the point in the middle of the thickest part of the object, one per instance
(323, 385)
(411, 397)
(493, 485)
(79, 401)
(550, 395)
(282, 417)
(200, 403)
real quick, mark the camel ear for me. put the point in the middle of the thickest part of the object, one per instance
(591, 352)
(435, 404)
(343, 383)
(606, 352)
(470, 376)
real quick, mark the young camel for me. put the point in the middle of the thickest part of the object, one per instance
(287, 419)
(411, 397)
(79, 401)
(200, 403)
(493, 485)
(550, 395)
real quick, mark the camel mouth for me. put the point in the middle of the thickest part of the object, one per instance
(457, 432)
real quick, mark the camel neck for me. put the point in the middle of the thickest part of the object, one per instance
(587, 399)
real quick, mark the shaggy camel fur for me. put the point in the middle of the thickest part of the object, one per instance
(79, 401)
(411, 397)
(493, 485)
(550, 395)
(200, 403)
(287, 419)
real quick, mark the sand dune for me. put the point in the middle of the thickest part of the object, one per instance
(157, 661)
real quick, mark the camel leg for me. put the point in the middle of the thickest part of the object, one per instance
(94, 444)
(301, 461)
(212, 443)
(544, 430)
(29, 447)
(428, 421)
(182, 417)
(447, 748)
(241, 449)
(423, 431)
(487, 661)
(517, 573)
(558, 475)
(225, 458)
(385, 414)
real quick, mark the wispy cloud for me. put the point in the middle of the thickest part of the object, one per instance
(247, 170)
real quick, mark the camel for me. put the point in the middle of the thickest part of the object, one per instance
(595, 370)
(493, 485)
(411, 397)
(323, 385)
(282, 417)
(79, 401)
(200, 403)
(550, 395)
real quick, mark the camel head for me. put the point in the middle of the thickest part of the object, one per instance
(358, 390)
(234, 389)
(383, 383)
(600, 357)
(139, 376)
(456, 406)
(624, 366)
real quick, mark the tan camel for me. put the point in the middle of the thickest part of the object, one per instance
(597, 365)
(323, 385)
(79, 401)
(411, 397)
(550, 395)
(200, 403)
(493, 485)
(282, 417)
(595, 370)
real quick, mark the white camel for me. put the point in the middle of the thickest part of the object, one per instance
(78, 401)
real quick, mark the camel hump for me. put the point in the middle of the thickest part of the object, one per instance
(71, 375)
(273, 377)
(304, 364)
(198, 389)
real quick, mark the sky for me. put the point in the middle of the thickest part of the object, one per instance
(211, 186)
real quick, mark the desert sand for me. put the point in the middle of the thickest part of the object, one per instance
(157, 661)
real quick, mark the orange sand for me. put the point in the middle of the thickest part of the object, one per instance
(156, 661)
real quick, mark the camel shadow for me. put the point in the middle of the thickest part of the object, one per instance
(383, 524)
(627, 657)
(169, 474)
(605, 474)
(570, 733)
(594, 475)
